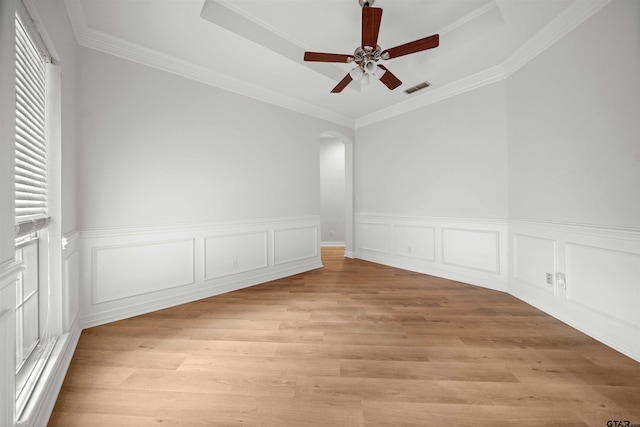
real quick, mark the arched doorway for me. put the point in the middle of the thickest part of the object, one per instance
(333, 154)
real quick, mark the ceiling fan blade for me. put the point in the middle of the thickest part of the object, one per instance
(371, 18)
(327, 57)
(389, 80)
(412, 47)
(343, 83)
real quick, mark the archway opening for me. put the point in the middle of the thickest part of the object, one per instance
(336, 191)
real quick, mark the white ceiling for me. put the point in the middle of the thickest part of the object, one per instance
(255, 47)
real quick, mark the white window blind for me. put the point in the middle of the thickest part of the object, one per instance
(31, 150)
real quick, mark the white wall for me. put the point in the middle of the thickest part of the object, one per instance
(574, 178)
(332, 191)
(162, 149)
(187, 190)
(431, 189)
(444, 160)
(574, 146)
(537, 174)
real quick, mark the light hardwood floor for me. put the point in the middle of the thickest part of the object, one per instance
(351, 344)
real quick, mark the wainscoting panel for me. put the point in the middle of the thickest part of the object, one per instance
(413, 241)
(534, 258)
(295, 244)
(599, 278)
(468, 250)
(596, 278)
(130, 271)
(374, 237)
(475, 249)
(234, 253)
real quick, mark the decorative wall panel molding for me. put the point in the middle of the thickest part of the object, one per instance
(129, 271)
(474, 249)
(534, 258)
(468, 250)
(230, 254)
(415, 241)
(595, 278)
(600, 278)
(295, 244)
(374, 237)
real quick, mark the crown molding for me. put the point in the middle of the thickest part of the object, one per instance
(107, 43)
(576, 13)
(483, 78)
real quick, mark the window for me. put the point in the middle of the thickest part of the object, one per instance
(33, 345)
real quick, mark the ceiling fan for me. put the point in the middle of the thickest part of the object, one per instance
(367, 55)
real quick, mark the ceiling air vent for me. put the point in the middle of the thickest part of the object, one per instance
(418, 87)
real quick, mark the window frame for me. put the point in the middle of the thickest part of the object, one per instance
(34, 229)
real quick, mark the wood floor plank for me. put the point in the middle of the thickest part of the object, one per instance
(351, 344)
(212, 382)
(212, 347)
(229, 365)
(411, 414)
(427, 371)
(393, 390)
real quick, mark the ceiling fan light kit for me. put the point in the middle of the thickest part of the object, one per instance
(369, 53)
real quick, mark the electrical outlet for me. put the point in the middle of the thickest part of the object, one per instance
(550, 278)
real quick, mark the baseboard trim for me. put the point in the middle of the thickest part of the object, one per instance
(230, 285)
(494, 283)
(43, 400)
(615, 334)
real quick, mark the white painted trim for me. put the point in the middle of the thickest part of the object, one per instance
(623, 233)
(436, 94)
(41, 403)
(95, 272)
(9, 270)
(412, 219)
(495, 234)
(485, 8)
(570, 18)
(230, 225)
(606, 327)
(437, 266)
(229, 285)
(106, 43)
(332, 244)
(95, 312)
(575, 14)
